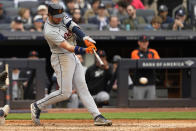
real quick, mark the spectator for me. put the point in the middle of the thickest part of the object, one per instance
(132, 21)
(155, 24)
(146, 89)
(120, 11)
(113, 24)
(43, 11)
(17, 24)
(93, 11)
(83, 5)
(38, 24)
(98, 78)
(70, 4)
(180, 22)
(101, 18)
(4, 19)
(77, 16)
(163, 13)
(24, 13)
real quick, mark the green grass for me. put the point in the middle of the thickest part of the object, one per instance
(128, 115)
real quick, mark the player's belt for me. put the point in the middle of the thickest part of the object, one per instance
(58, 53)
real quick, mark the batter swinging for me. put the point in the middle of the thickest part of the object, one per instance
(60, 33)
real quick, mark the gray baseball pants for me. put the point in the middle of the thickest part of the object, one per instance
(69, 72)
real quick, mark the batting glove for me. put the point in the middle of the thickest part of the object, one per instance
(88, 41)
(90, 49)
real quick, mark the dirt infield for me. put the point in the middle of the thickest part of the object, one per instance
(118, 125)
(87, 125)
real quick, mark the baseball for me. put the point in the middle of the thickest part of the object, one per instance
(143, 80)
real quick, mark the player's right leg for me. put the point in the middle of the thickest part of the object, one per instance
(3, 113)
(80, 84)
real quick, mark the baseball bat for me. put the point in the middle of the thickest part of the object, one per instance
(98, 58)
(7, 83)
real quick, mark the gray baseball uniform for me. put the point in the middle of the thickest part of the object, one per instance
(67, 67)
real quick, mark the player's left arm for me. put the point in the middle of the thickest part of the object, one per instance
(71, 25)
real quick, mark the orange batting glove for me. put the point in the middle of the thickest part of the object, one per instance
(89, 49)
(88, 41)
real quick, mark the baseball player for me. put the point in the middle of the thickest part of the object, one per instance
(60, 32)
(5, 110)
(142, 90)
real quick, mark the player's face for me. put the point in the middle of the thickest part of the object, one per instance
(56, 20)
(143, 45)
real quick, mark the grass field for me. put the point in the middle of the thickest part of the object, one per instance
(123, 115)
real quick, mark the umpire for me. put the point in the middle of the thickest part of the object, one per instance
(144, 79)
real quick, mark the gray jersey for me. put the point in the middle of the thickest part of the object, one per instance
(56, 34)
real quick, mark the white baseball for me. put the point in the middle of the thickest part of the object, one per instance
(143, 80)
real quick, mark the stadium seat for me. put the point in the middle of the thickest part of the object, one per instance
(89, 26)
(141, 26)
(147, 14)
(28, 4)
(165, 26)
(11, 12)
(5, 27)
(7, 4)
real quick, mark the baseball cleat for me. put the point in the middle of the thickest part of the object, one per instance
(102, 121)
(35, 114)
(6, 110)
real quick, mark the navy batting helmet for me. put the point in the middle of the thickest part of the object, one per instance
(55, 10)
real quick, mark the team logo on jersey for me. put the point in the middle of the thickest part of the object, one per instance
(68, 35)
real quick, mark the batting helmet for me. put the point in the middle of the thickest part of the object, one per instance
(55, 10)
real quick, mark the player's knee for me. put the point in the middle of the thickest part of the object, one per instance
(66, 94)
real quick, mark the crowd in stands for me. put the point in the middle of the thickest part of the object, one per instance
(112, 15)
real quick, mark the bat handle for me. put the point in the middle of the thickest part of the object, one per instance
(98, 58)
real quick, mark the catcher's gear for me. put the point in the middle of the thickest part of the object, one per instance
(88, 41)
(3, 76)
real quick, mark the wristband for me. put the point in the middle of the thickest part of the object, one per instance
(79, 50)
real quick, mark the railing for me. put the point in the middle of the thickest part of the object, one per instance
(165, 63)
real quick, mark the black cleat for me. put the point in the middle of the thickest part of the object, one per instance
(102, 121)
(35, 114)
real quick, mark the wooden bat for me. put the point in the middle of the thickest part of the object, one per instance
(98, 58)
(7, 82)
